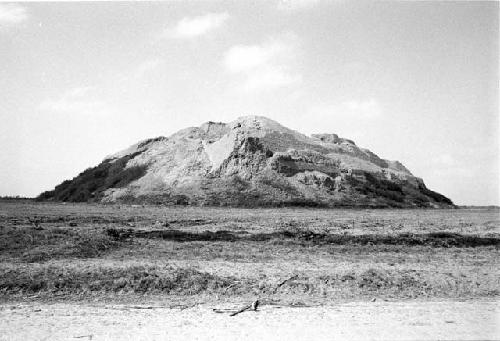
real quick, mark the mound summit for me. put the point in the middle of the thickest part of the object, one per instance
(252, 161)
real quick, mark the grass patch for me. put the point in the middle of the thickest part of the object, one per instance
(50, 279)
(129, 279)
(42, 245)
(434, 239)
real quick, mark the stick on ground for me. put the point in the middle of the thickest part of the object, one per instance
(283, 282)
(253, 306)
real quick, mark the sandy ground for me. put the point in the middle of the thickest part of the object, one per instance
(420, 320)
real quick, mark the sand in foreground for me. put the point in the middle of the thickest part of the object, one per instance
(422, 320)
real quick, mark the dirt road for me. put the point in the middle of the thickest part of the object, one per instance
(449, 320)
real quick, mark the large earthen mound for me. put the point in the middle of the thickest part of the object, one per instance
(252, 161)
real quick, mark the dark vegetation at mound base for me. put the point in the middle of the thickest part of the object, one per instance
(236, 192)
(373, 192)
(89, 185)
(394, 194)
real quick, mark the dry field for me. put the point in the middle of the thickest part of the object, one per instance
(123, 272)
(297, 257)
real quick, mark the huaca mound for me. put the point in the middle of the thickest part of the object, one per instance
(252, 161)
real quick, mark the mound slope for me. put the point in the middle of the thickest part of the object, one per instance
(252, 161)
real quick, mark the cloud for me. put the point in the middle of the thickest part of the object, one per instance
(453, 171)
(364, 109)
(76, 101)
(295, 5)
(445, 165)
(242, 58)
(190, 27)
(264, 66)
(11, 14)
(270, 77)
(147, 66)
(445, 160)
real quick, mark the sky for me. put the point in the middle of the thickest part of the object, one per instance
(412, 81)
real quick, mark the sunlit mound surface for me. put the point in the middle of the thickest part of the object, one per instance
(251, 162)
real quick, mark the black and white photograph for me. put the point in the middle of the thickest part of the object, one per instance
(249, 170)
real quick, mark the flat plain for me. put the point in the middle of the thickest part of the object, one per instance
(184, 258)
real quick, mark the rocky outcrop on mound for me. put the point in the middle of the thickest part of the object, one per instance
(252, 161)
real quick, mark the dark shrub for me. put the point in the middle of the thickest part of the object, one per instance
(91, 183)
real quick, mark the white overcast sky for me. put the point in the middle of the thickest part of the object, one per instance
(412, 81)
